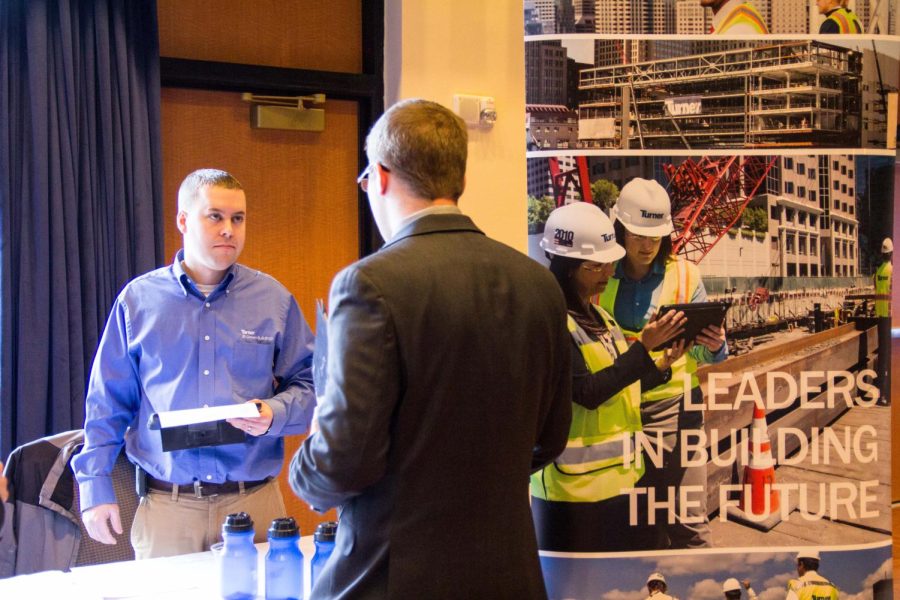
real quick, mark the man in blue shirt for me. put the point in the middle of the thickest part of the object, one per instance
(201, 332)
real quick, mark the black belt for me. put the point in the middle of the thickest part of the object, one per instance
(202, 490)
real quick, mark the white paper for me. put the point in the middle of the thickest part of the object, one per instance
(191, 416)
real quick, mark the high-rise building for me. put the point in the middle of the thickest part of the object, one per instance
(622, 16)
(788, 17)
(546, 11)
(533, 25)
(691, 18)
(584, 16)
(880, 76)
(662, 17)
(565, 16)
(545, 72)
(556, 16)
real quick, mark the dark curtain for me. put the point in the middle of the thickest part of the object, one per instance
(80, 180)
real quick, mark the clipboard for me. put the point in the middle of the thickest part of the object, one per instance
(201, 427)
(699, 315)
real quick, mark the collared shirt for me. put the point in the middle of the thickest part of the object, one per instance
(166, 346)
(633, 303)
(441, 209)
(737, 17)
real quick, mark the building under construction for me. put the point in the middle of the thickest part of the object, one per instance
(773, 94)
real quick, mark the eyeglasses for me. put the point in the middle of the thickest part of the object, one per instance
(363, 179)
(642, 238)
(593, 267)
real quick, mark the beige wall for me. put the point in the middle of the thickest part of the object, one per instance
(434, 49)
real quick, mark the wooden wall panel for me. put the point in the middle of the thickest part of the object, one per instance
(301, 196)
(324, 36)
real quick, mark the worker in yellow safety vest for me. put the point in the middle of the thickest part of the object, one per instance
(883, 277)
(810, 585)
(735, 17)
(580, 501)
(838, 18)
(649, 277)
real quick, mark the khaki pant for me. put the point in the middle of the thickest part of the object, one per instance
(170, 523)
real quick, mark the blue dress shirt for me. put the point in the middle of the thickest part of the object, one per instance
(166, 346)
(633, 305)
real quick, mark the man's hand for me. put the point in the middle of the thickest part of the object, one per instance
(97, 520)
(4, 490)
(257, 425)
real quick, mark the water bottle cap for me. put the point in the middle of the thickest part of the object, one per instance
(326, 532)
(238, 523)
(285, 527)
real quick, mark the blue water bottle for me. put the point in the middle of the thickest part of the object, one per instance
(324, 541)
(237, 562)
(284, 561)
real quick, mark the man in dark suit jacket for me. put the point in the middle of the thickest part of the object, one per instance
(448, 383)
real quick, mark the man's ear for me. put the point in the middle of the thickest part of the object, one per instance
(382, 177)
(181, 221)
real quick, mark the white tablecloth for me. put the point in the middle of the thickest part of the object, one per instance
(185, 577)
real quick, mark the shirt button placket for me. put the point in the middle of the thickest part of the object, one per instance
(207, 376)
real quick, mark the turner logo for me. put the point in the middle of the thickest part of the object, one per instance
(608, 237)
(564, 237)
(651, 215)
(249, 335)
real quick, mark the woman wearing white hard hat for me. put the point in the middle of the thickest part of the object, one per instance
(577, 501)
(649, 277)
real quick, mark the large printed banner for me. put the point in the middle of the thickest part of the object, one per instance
(763, 468)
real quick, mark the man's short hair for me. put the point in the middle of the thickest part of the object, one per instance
(425, 144)
(733, 594)
(200, 179)
(810, 564)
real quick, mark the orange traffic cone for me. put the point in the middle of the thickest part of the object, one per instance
(759, 475)
(760, 504)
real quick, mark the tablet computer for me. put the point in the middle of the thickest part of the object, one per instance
(699, 315)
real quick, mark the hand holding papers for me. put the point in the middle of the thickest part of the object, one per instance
(181, 429)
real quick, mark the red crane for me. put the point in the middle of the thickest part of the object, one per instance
(577, 178)
(708, 197)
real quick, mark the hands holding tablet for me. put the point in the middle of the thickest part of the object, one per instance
(660, 330)
(712, 336)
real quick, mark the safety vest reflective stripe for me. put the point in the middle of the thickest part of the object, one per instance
(814, 590)
(847, 22)
(592, 468)
(589, 457)
(744, 14)
(883, 289)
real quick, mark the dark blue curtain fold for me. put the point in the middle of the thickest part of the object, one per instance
(80, 190)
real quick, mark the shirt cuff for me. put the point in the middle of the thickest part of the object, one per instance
(96, 491)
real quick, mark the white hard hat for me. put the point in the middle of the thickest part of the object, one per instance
(731, 585)
(813, 554)
(644, 208)
(657, 576)
(581, 230)
(887, 246)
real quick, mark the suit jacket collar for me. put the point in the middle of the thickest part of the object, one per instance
(435, 224)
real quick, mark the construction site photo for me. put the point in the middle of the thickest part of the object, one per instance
(796, 421)
(604, 94)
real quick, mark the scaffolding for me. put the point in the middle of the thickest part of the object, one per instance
(776, 94)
